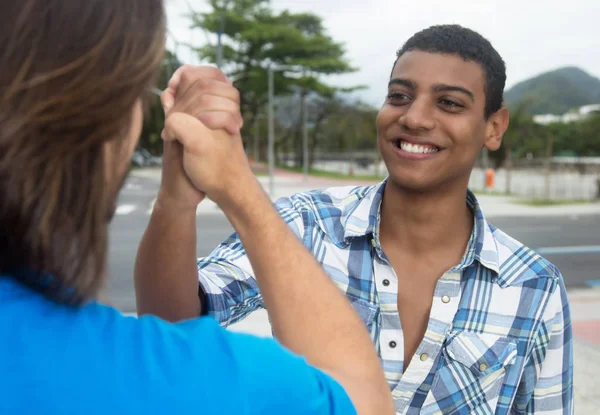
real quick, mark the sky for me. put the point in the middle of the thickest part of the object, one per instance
(533, 36)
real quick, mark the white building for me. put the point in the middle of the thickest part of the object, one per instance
(570, 116)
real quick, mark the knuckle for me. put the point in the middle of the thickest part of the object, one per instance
(171, 121)
(236, 95)
(232, 120)
(185, 77)
(202, 83)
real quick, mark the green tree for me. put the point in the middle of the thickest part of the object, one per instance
(588, 143)
(295, 45)
(350, 128)
(519, 135)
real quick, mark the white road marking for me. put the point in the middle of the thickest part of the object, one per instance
(125, 209)
(565, 250)
(133, 186)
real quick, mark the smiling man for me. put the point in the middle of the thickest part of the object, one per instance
(466, 319)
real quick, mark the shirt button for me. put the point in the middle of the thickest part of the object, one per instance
(393, 344)
(374, 243)
(386, 282)
(445, 299)
(482, 367)
(423, 357)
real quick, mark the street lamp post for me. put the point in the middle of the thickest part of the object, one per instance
(271, 151)
(220, 35)
(305, 135)
(256, 145)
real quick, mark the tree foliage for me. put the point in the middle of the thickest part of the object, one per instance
(255, 37)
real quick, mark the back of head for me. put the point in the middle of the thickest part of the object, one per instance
(71, 73)
(469, 45)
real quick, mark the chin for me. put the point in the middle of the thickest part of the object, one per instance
(411, 182)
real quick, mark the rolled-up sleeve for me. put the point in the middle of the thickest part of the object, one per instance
(227, 283)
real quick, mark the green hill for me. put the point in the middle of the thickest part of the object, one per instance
(556, 92)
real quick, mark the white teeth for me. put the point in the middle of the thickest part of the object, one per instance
(416, 148)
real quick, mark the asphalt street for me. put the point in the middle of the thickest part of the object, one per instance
(571, 243)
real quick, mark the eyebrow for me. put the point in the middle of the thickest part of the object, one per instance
(453, 88)
(436, 88)
(403, 82)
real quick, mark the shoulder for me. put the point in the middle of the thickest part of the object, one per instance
(519, 264)
(530, 287)
(189, 362)
(333, 210)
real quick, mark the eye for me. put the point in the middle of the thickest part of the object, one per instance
(450, 104)
(397, 98)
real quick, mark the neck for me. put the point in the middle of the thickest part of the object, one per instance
(424, 222)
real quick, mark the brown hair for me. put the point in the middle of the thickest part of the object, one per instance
(70, 74)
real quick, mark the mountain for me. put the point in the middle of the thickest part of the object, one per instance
(556, 92)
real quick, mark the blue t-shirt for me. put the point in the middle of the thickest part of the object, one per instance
(56, 359)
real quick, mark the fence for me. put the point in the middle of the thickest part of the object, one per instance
(570, 179)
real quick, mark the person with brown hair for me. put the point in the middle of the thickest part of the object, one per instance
(72, 85)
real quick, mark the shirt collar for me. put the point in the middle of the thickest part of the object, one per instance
(364, 219)
(482, 245)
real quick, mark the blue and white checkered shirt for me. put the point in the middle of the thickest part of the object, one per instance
(498, 339)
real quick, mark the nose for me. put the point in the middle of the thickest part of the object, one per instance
(418, 116)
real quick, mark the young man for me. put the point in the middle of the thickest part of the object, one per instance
(465, 318)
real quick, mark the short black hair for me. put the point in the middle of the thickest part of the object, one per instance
(469, 45)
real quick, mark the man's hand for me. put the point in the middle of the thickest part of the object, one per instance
(214, 161)
(204, 93)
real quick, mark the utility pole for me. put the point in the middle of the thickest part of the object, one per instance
(256, 137)
(305, 134)
(271, 151)
(220, 35)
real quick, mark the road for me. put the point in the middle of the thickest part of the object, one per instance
(554, 237)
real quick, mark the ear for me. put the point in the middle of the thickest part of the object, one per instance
(495, 128)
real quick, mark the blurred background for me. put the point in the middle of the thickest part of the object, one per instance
(330, 66)
(313, 74)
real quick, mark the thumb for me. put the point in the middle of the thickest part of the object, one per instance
(188, 130)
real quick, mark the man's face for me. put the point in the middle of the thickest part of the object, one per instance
(118, 162)
(432, 125)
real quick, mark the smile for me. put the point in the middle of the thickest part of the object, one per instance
(415, 148)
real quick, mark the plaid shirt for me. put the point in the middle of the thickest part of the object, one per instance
(498, 339)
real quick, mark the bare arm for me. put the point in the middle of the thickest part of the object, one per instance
(166, 275)
(166, 281)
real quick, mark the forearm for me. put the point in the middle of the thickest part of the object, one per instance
(308, 313)
(166, 276)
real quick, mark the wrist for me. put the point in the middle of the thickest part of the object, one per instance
(246, 200)
(165, 201)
